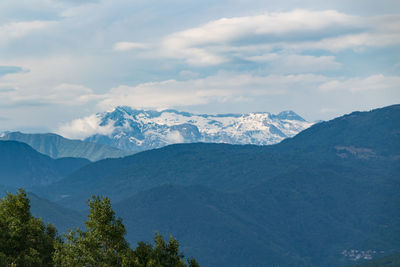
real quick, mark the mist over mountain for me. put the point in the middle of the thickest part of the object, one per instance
(306, 201)
(137, 130)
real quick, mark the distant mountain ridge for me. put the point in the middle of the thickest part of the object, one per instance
(138, 130)
(57, 146)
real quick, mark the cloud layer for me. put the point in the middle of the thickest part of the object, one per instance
(84, 127)
(60, 60)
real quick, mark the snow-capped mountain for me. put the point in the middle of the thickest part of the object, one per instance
(136, 130)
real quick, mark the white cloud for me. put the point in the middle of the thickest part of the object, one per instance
(223, 87)
(14, 30)
(230, 29)
(199, 46)
(82, 128)
(63, 94)
(47, 82)
(222, 40)
(370, 83)
(126, 46)
(70, 95)
(174, 137)
(348, 41)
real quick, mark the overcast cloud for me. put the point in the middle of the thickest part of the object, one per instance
(61, 61)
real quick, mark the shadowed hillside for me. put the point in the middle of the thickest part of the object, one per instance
(22, 166)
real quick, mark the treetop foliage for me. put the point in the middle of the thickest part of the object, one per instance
(27, 241)
(24, 240)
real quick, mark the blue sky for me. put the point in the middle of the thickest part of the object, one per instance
(66, 59)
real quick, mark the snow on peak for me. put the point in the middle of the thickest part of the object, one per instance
(136, 130)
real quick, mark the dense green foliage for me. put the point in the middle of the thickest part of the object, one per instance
(103, 244)
(162, 254)
(22, 166)
(27, 241)
(24, 240)
(57, 146)
(388, 261)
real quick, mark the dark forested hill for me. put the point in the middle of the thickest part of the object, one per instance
(57, 146)
(64, 219)
(307, 201)
(22, 166)
(219, 228)
(370, 134)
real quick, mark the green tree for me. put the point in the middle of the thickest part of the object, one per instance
(193, 263)
(24, 240)
(167, 254)
(164, 254)
(103, 244)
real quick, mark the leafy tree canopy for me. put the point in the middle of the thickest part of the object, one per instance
(104, 244)
(24, 240)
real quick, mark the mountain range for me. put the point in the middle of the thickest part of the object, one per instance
(137, 130)
(328, 196)
(57, 146)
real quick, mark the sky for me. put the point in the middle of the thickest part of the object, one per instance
(61, 60)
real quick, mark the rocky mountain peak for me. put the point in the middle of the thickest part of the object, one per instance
(137, 130)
